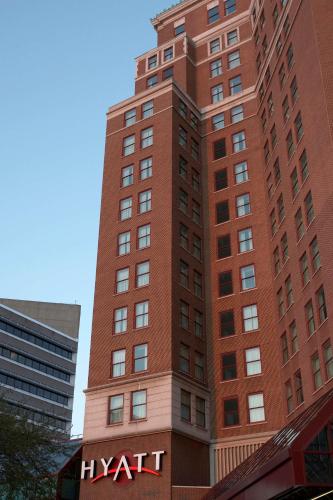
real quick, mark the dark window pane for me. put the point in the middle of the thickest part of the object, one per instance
(222, 212)
(219, 149)
(221, 179)
(223, 246)
(227, 323)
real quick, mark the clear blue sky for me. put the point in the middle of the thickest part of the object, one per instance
(63, 62)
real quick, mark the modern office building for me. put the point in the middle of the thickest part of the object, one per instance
(213, 305)
(38, 348)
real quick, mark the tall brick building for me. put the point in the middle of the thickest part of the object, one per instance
(213, 302)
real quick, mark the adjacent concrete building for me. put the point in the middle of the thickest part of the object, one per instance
(38, 349)
(213, 301)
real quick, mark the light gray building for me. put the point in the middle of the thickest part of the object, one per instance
(38, 350)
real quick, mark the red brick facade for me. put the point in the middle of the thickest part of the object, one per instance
(218, 179)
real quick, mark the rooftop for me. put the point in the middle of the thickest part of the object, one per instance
(168, 9)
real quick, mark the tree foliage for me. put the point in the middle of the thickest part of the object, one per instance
(28, 457)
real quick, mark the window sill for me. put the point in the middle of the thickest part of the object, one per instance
(261, 422)
(246, 252)
(115, 424)
(138, 421)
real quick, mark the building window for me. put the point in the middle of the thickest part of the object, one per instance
(309, 318)
(182, 137)
(125, 209)
(298, 127)
(147, 109)
(258, 63)
(197, 283)
(273, 136)
(275, 15)
(328, 359)
(116, 409)
(245, 242)
(185, 405)
(142, 274)
(225, 284)
(183, 236)
(276, 260)
(221, 179)
(299, 224)
(241, 172)
(282, 75)
(222, 212)
(280, 208)
(243, 206)
(250, 318)
(290, 144)
(143, 236)
(167, 73)
(144, 201)
(184, 274)
(179, 29)
(229, 7)
(199, 362)
(233, 59)
(200, 409)
(124, 243)
(270, 104)
(120, 320)
(284, 247)
(285, 109)
(256, 407)
(147, 137)
(285, 348)
(152, 81)
(269, 185)
(321, 305)
(289, 291)
(182, 167)
(195, 180)
(184, 315)
(215, 46)
(237, 114)
(227, 324)
(218, 121)
(290, 56)
(168, 54)
(299, 387)
(184, 358)
(182, 108)
(140, 358)
(141, 314)
(280, 301)
(195, 153)
(235, 85)
(127, 176)
(253, 361)
(316, 372)
(315, 256)
(229, 366)
(130, 117)
(223, 246)
(293, 337)
(129, 145)
(217, 93)
(248, 278)
(266, 151)
(152, 62)
(196, 212)
(194, 121)
(294, 182)
(139, 405)
(146, 168)
(118, 363)
(198, 324)
(238, 142)
(273, 222)
(231, 413)
(216, 68)
(122, 280)
(303, 262)
(308, 205)
(219, 149)
(289, 397)
(304, 165)
(232, 37)
(213, 15)
(294, 91)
